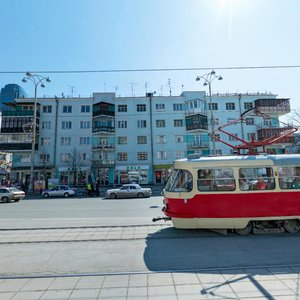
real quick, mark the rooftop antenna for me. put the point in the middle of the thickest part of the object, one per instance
(146, 86)
(182, 88)
(72, 88)
(169, 85)
(116, 89)
(132, 84)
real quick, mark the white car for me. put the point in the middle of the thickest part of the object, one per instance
(129, 191)
(59, 191)
(11, 193)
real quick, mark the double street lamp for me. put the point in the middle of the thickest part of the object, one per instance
(37, 80)
(208, 79)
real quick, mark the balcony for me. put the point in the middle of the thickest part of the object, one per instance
(197, 145)
(266, 133)
(103, 129)
(103, 163)
(278, 107)
(16, 147)
(196, 122)
(103, 147)
(19, 113)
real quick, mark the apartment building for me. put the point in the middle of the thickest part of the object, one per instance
(125, 139)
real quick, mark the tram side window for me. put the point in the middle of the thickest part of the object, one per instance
(216, 180)
(179, 181)
(289, 178)
(256, 179)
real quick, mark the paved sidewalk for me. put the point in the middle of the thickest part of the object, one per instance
(261, 283)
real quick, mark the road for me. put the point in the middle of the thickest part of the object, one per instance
(94, 236)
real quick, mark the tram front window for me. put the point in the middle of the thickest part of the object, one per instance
(179, 181)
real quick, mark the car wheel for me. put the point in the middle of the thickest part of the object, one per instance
(66, 195)
(140, 195)
(113, 196)
(46, 195)
(5, 199)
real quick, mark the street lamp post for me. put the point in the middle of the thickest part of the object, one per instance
(37, 80)
(208, 79)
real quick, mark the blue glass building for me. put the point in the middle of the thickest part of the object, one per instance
(10, 92)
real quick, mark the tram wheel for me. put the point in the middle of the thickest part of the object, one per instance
(244, 231)
(291, 226)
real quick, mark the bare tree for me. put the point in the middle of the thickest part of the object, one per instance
(75, 164)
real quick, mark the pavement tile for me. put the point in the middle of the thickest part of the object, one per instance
(27, 295)
(293, 285)
(63, 283)
(275, 288)
(218, 290)
(113, 293)
(12, 285)
(248, 289)
(37, 284)
(210, 277)
(59, 294)
(137, 292)
(162, 291)
(116, 281)
(85, 294)
(190, 291)
(159, 279)
(185, 278)
(6, 296)
(138, 280)
(90, 282)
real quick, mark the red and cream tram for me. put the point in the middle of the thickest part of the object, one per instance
(244, 193)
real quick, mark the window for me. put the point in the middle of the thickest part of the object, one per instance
(268, 122)
(289, 178)
(85, 124)
(67, 109)
(84, 140)
(256, 179)
(142, 155)
(179, 154)
(161, 155)
(66, 125)
(47, 108)
(142, 139)
(248, 105)
(46, 125)
(122, 156)
(161, 139)
(65, 157)
(85, 108)
(179, 181)
(230, 106)
(231, 138)
(82, 156)
(214, 106)
(230, 120)
(177, 106)
(25, 158)
(141, 124)
(65, 141)
(122, 140)
(141, 107)
(122, 124)
(44, 158)
(45, 141)
(216, 180)
(160, 123)
(249, 121)
(251, 136)
(122, 108)
(160, 107)
(178, 123)
(179, 139)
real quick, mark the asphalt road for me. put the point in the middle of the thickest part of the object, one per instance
(100, 244)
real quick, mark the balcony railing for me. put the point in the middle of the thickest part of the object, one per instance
(103, 147)
(103, 163)
(19, 113)
(103, 129)
(196, 144)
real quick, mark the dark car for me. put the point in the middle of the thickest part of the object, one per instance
(129, 191)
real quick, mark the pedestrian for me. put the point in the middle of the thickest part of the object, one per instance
(89, 189)
(97, 187)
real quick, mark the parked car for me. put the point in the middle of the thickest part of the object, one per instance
(129, 191)
(11, 193)
(59, 191)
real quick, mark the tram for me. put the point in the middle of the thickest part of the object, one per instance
(259, 193)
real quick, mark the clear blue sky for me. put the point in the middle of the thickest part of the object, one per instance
(40, 35)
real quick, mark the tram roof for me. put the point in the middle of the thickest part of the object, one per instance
(277, 160)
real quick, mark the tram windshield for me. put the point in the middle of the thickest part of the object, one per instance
(179, 181)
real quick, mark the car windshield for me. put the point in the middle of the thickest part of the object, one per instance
(13, 189)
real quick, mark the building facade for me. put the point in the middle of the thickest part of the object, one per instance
(129, 139)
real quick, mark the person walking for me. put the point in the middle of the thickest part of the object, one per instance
(89, 189)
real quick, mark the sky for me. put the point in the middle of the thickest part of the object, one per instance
(46, 36)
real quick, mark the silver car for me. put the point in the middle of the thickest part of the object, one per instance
(11, 193)
(129, 191)
(59, 191)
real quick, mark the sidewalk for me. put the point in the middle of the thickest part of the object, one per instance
(260, 283)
